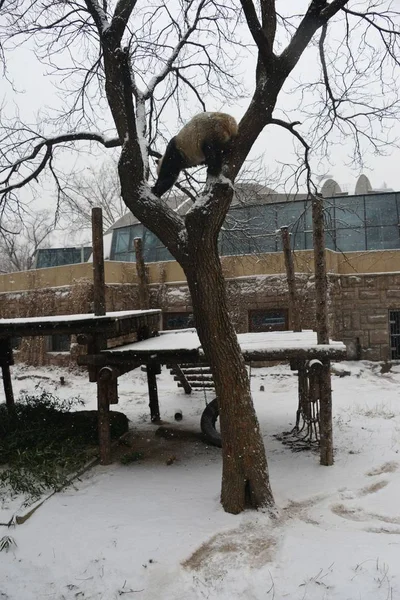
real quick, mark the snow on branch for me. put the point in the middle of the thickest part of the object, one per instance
(98, 14)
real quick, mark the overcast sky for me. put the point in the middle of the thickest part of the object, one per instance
(275, 145)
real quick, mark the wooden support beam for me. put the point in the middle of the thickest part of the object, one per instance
(321, 298)
(325, 415)
(103, 408)
(144, 297)
(152, 370)
(321, 282)
(7, 383)
(99, 288)
(294, 312)
(111, 374)
(180, 376)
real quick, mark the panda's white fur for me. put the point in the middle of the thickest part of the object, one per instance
(201, 141)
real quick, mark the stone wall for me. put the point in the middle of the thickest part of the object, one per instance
(362, 306)
(65, 300)
(358, 307)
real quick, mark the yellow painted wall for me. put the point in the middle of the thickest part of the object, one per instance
(378, 261)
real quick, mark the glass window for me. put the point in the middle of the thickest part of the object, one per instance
(234, 242)
(380, 238)
(291, 214)
(268, 320)
(16, 342)
(163, 254)
(58, 342)
(348, 240)
(122, 243)
(349, 212)
(381, 210)
(178, 320)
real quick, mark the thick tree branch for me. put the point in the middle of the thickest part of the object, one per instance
(318, 13)
(98, 15)
(263, 34)
(120, 19)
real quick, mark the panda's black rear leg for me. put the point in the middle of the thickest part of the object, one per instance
(213, 156)
(172, 164)
(164, 182)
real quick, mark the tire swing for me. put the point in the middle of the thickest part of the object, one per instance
(208, 421)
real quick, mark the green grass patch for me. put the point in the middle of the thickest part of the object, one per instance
(43, 442)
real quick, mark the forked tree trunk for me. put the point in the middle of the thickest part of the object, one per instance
(245, 480)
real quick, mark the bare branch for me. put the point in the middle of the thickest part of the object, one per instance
(48, 144)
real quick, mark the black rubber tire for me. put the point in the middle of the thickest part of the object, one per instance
(207, 424)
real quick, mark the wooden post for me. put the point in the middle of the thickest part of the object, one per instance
(7, 383)
(325, 415)
(152, 371)
(7, 359)
(144, 298)
(321, 301)
(99, 288)
(291, 279)
(103, 408)
(321, 282)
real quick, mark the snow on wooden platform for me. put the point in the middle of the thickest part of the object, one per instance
(78, 317)
(186, 340)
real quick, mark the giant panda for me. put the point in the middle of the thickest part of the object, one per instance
(203, 140)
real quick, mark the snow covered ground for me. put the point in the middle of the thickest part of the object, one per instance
(153, 531)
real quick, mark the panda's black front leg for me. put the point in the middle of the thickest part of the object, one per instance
(213, 155)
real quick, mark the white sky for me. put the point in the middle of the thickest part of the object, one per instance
(275, 144)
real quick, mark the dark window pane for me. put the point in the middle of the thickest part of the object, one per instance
(349, 212)
(261, 227)
(291, 214)
(16, 341)
(59, 342)
(122, 240)
(180, 320)
(268, 320)
(381, 210)
(163, 254)
(381, 238)
(235, 242)
(299, 240)
(263, 243)
(348, 240)
(262, 218)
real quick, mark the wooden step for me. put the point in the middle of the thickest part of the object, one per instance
(199, 378)
(199, 386)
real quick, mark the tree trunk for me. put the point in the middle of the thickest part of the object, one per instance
(245, 480)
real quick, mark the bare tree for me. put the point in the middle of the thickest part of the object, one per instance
(92, 187)
(143, 60)
(20, 241)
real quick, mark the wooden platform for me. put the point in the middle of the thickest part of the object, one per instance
(183, 346)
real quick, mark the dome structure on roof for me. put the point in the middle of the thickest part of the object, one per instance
(363, 185)
(330, 188)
